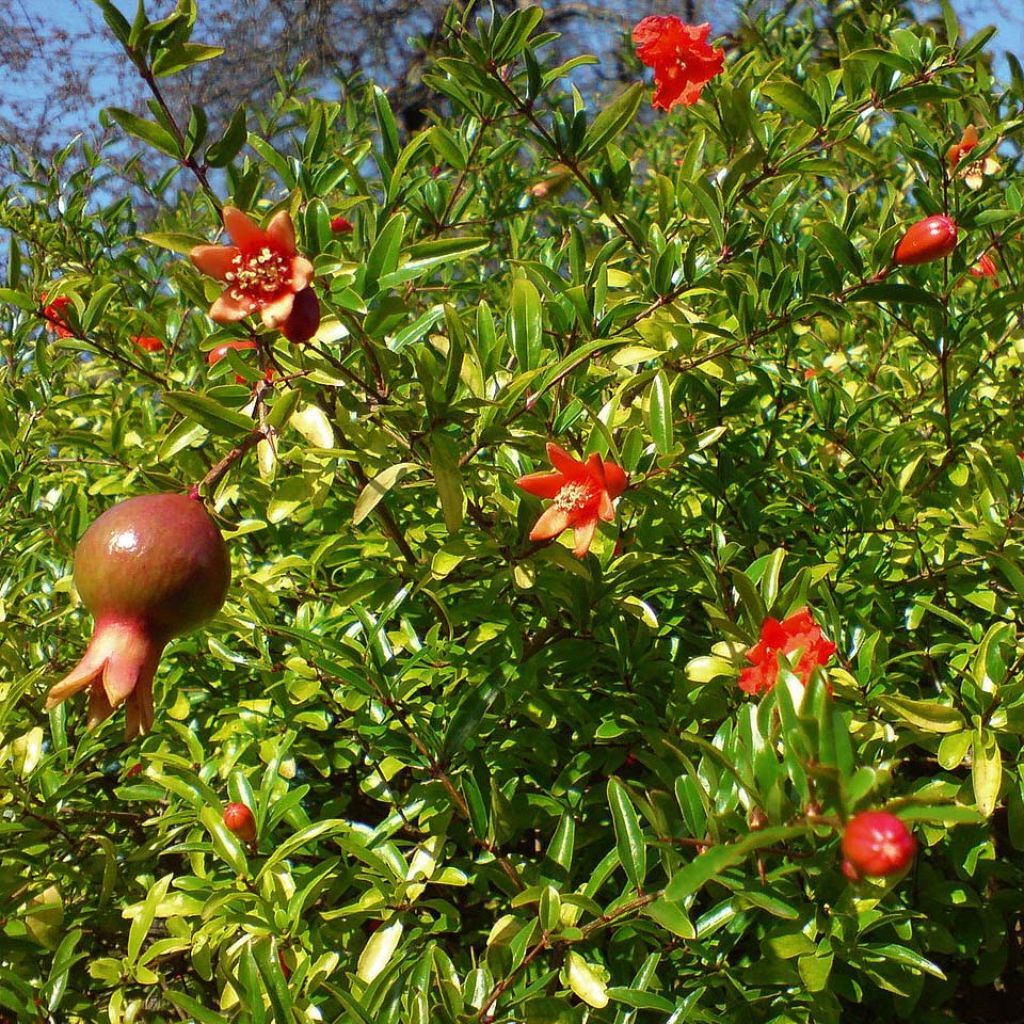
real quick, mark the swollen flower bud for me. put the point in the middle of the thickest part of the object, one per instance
(239, 820)
(927, 240)
(876, 843)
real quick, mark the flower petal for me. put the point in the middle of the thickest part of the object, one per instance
(605, 508)
(100, 709)
(90, 668)
(244, 231)
(275, 313)
(302, 273)
(281, 233)
(551, 523)
(800, 621)
(215, 260)
(228, 310)
(564, 462)
(120, 677)
(543, 485)
(139, 710)
(616, 479)
(583, 534)
(756, 679)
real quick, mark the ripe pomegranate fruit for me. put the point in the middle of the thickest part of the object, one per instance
(927, 240)
(304, 319)
(876, 843)
(149, 569)
(239, 820)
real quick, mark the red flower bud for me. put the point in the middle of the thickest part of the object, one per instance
(304, 319)
(239, 820)
(215, 355)
(341, 225)
(876, 843)
(927, 240)
(986, 267)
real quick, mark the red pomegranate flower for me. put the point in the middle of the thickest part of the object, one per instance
(55, 322)
(973, 174)
(583, 493)
(683, 61)
(960, 149)
(148, 342)
(986, 267)
(262, 270)
(797, 633)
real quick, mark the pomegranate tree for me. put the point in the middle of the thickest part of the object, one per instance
(149, 569)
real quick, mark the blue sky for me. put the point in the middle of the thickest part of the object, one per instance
(102, 52)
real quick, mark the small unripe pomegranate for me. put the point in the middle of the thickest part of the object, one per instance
(876, 843)
(239, 820)
(304, 319)
(927, 240)
(149, 569)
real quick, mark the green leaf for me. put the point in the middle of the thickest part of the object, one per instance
(209, 413)
(986, 770)
(379, 950)
(387, 125)
(150, 132)
(613, 119)
(376, 488)
(175, 241)
(793, 100)
(143, 919)
(629, 838)
(715, 860)
(525, 323)
(228, 848)
(97, 306)
(383, 258)
(229, 145)
(427, 256)
(907, 294)
(660, 399)
(184, 55)
(927, 715)
(196, 1009)
(444, 463)
(585, 981)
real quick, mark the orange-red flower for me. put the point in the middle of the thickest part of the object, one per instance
(583, 493)
(986, 267)
(148, 342)
(683, 61)
(960, 149)
(973, 174)
(262, 270)
(797, 633)
(55, 322)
